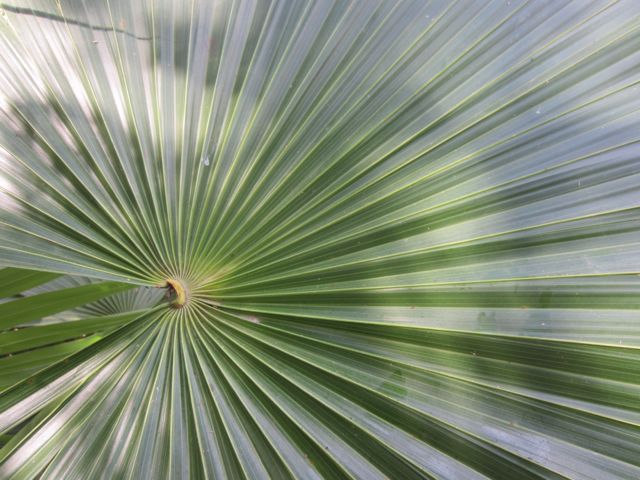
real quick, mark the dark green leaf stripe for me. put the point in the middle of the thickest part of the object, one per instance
(24, 339)
(15, 280)
(22, 310)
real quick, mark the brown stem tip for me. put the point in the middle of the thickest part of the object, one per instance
(178, 292)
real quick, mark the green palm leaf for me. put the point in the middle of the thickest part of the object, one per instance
(401, 239)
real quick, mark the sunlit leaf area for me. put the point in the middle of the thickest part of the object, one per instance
(320, 239)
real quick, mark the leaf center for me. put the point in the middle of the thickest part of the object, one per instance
(177, 292)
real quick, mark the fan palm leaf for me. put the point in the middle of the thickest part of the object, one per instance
(400, 239)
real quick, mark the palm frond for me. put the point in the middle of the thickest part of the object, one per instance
(401, 237)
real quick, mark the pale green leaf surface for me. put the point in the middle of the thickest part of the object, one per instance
(15, 368)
